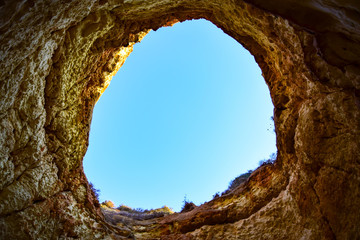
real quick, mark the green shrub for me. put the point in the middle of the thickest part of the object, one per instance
(271, 160)
(216, 195)
(141, 214)
(108, 204)
(245, 176)
(95, 194)
(239, 180)
(124, 208)
(188, 205)
(95, 191)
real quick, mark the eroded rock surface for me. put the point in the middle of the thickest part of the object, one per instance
(57, 57)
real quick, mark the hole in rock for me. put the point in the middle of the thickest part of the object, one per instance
(188, 112)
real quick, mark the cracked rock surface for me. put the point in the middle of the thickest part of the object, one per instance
(58, 57)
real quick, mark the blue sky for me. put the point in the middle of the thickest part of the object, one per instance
(187, 112)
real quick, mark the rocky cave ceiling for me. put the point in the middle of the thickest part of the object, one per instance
(57, 57)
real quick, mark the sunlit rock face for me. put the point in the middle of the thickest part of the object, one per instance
(57, 57)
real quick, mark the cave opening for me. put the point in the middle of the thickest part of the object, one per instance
(58, 57)
(188, 112)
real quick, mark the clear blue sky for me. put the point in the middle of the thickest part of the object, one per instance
(188, 112)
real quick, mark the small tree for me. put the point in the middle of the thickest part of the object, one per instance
(95, 191)
(271, 160)
(188, 205)
(216, 195)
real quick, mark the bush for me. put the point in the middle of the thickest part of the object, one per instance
(141, 214)
(108, 204)
(167, 209)
(244, 177)
(163, 209)
(124, 208)
(188, 205)
(94, 191)
(239, 180)
(216, 195)
(271, 160)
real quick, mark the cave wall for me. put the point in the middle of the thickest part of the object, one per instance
(57, 57)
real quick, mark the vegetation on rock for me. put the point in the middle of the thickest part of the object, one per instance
(108, 204)
(125, 214)
(245, 176)
(188, 205)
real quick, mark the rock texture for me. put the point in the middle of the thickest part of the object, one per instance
(57, 57)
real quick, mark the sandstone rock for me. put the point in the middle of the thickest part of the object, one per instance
(58, 57)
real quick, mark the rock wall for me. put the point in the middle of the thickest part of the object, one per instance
(57, 57)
